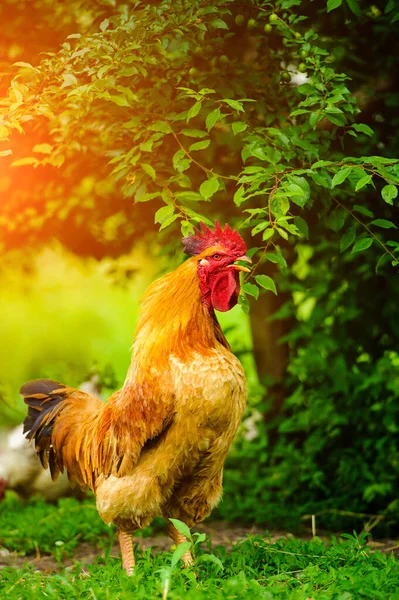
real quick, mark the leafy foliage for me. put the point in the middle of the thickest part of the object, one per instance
(112, 91)
(332, 448)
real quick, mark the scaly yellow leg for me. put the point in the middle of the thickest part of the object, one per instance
(126, 544)
(178, 538)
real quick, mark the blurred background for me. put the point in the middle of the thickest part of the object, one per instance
(320, 435)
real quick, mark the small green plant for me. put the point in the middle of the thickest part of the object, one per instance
(192, 545)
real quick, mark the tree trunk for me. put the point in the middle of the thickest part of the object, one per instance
(271, 357)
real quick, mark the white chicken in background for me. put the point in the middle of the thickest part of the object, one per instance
(20, 467)
(21, 471)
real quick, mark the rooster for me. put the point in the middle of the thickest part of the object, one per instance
(157, 447)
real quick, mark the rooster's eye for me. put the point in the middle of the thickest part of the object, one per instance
(216, 257)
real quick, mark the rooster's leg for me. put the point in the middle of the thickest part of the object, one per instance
(178, 538)
(126, 544)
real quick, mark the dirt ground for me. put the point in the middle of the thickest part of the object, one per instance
(219, 532)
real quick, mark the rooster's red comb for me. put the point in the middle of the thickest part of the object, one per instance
(204, 238)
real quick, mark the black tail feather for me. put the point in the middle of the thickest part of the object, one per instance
(44, 399)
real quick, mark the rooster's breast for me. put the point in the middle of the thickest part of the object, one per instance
(210, 387)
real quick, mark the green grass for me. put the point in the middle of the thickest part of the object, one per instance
(343, 569)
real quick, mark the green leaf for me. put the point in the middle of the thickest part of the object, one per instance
(146, 146)
(332, 4)
(69, 79)
(338, 120)
(314, 118)
(257, 151)
(348, 238)
(24, 65)
(180, 161)
(275, 258)
(125, 72)
(186, 228)
(260, 227)
(384, 258)
(279, 205)
(218, 24)
(321, 178)
(118, 100)
(391, 4)
(321, 163)
(146, 197)
(298, 190)
(389, 193)
(340, 176)
(362, 244)
(333, 110)
(283, 233)
(252, 251)
(160, 126)
(354, 7)
(306, 89)
(163, 213)
(251, 289)
(194, 110)
(384, 224)
(211, 557)
(178, 553)
(209, 187)
(238, 197)
(362, 128)
(168, 221)
(43, 148)
(302, 227)
(363, 181)
(181, 528)
(290, 3)
(197, 218)
(205, 91)
(150, 171)
(266, 282)
(195, 133)
(263, 152)
(290, 227)
(238, 127)
(299, 111)
(363, 210)
(29, 160)
(104, 24)
(189, 195)
(243, 302)
(199, 145)
(103, 70)
(336, 219)
(234, 104)
(4, 133)
(267, 234)
(212, 118)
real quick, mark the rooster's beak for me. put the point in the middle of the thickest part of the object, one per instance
(243, 258)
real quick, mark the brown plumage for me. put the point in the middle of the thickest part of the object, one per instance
(157, 447)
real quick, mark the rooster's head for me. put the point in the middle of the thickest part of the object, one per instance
(217, 253)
